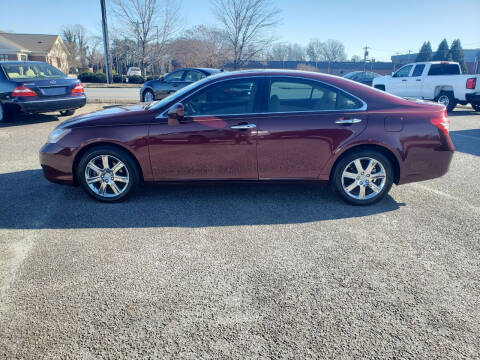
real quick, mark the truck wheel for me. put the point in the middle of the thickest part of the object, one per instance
(446, 98)
(476, 107)
(380, 87)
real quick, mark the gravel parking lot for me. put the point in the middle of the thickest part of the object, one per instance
(237, 271)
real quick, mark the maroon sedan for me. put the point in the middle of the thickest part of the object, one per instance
(256, 126)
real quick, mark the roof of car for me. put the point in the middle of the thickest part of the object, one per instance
(22, 62)
(205, 70)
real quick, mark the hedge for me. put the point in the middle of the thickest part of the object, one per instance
(92, 77)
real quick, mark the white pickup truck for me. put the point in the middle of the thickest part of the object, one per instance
(440, 81)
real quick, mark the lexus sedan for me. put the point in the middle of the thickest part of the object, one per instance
(36, 87)
(259, 125)
(168, 84)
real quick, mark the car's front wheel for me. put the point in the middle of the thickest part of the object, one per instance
(363, 177)
(148, 96)
(108, 173)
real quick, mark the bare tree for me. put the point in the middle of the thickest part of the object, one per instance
(246, 24)
(148, 21)
(75, 37)
(315, 50)
(333, 51)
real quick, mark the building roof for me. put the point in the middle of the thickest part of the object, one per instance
(37, 43)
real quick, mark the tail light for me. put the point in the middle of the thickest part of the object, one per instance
(78, 89)
(442, 123)
(23, 91)
(471, 83)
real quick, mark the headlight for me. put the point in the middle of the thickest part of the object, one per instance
(57, 134)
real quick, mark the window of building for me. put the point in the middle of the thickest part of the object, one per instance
(3, 57)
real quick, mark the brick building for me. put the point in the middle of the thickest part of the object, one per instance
(34, 47)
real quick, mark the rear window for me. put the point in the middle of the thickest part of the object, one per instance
(31, 71)
(444, 69)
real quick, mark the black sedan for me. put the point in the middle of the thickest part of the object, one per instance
(364, 77)
(36, 87)
(168, 84)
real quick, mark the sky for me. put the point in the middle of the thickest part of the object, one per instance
(386, 26)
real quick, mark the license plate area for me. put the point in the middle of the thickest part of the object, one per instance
(52, 91)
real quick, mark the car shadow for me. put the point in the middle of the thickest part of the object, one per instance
(466, 141)
(460, 113)
(24, 119)
(31, 202)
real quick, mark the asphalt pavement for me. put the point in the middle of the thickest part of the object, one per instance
(237, 271)
(104, 94)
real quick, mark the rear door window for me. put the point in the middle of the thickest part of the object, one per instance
(294, 95)
(418, 70)
(444, 69)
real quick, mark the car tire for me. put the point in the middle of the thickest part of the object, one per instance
(148, 96)
(67, 112)
(380, 87)
(476, 107)
(447, 99)
(3, 114)
(365, 185)
(102, 180)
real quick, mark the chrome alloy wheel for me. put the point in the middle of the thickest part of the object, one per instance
(444, 100)
(363, 178)
(148, 97)
(107, 176)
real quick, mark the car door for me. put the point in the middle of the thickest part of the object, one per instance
(170, 83)
(397, 85)
(413, 87)
(215, 140)
(304, 123)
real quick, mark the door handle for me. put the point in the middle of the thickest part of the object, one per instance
(243, 126)
(342, 121)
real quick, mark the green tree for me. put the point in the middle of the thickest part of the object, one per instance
(456, 53)
(442, 53)
(425, 53)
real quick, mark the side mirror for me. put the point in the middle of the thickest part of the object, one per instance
(175, 114)
(393, 74)
(161, 78)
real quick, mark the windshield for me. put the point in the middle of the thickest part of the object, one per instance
(31, 71)
(158, 104)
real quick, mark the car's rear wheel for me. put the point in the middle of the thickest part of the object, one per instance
(148, 96)
(67, 112)
(447, 99)
(108, 173)
(363, 177)
(476, 107)
(380, 87)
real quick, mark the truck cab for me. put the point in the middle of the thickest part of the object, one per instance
(440, 81)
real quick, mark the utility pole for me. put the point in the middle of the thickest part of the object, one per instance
(365, 55)
(409, 52)
(106, 46)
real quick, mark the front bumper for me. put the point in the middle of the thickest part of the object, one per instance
(473, 98)
(38, 105)
(57, 164)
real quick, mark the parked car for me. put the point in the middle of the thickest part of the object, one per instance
(168, 84)
(364, 77)
(36, 87)
(132, 71)
(440, 81)
(256, 126)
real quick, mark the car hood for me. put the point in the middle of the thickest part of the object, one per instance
(110, 116)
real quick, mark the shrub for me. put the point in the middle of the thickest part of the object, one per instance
(135, 79)
(118, 78)
(92, 77)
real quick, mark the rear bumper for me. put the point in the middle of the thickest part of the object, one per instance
(45, 105)
(473, 98)
(57, 165)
